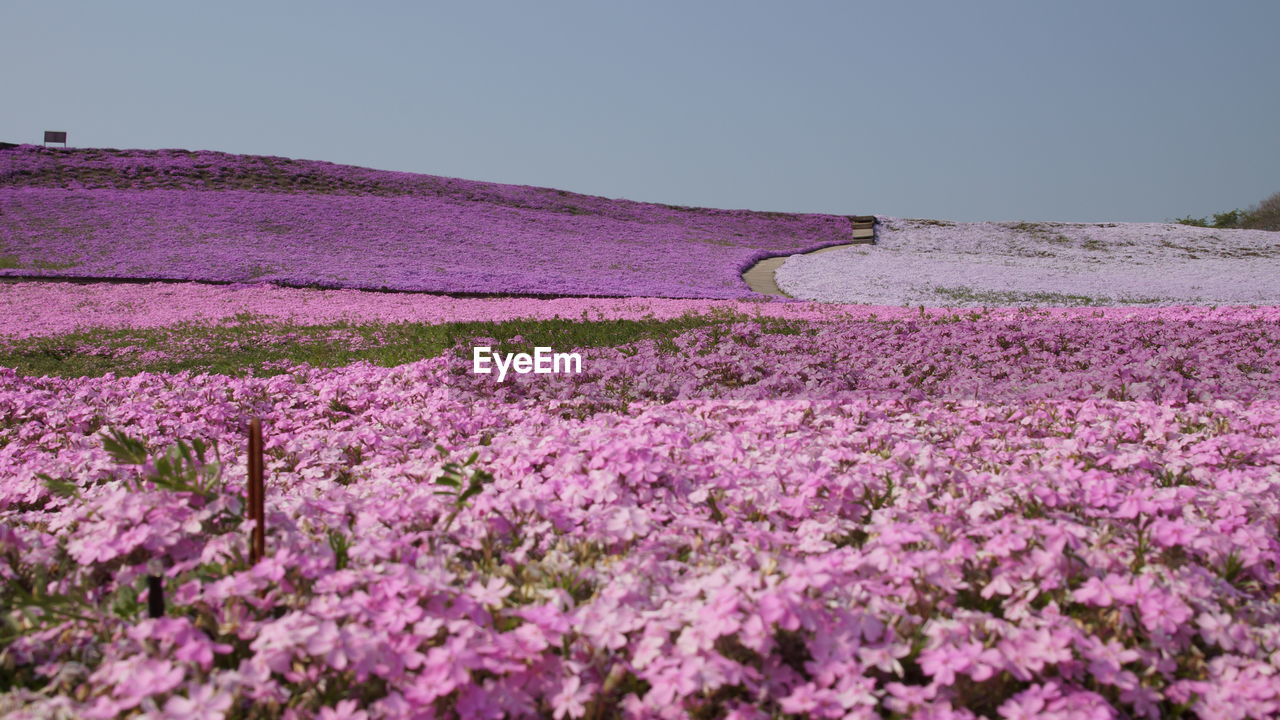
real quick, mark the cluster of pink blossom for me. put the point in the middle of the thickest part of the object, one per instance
(35, 308)
(31, 309)
(210, 216)
(932, 262)
(1014, 515)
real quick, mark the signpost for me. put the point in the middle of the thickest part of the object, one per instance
(55, 136)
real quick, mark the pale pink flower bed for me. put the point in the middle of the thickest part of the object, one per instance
(30, 309)
(1069, 514)
(991, 264)
(37, 309)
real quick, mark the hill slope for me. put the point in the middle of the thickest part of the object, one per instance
(178, 214)
(935, 262)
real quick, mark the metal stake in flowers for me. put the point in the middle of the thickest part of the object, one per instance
(257, 544)
(155, 596)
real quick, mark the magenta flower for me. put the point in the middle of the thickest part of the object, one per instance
(203, 702)
(571, 701)
(344, 710)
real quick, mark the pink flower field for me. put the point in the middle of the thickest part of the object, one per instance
(744, 508)
(182, 215)
(868, 513)
(48, 308)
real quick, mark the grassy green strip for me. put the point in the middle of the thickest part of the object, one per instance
(248, 345)
(998, 298)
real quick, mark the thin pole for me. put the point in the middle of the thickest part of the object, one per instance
(155, 596)
(256, 491)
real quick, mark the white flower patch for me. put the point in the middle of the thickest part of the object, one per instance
(929, 262)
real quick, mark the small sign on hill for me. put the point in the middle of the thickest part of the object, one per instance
(55, 136)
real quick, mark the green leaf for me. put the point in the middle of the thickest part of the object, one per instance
(124, 449)
(164, 468)
(340, 543)
(210, 473)
(125, 602)
(61, 488)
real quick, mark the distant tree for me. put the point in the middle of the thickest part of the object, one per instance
(1265, 215)
(1228, 219)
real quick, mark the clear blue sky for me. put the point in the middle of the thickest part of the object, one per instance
(975, 110)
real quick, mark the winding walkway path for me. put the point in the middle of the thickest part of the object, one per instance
(760, 278)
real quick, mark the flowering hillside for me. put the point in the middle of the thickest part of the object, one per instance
(934, 262)
(1004, 514)
(176, 214)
